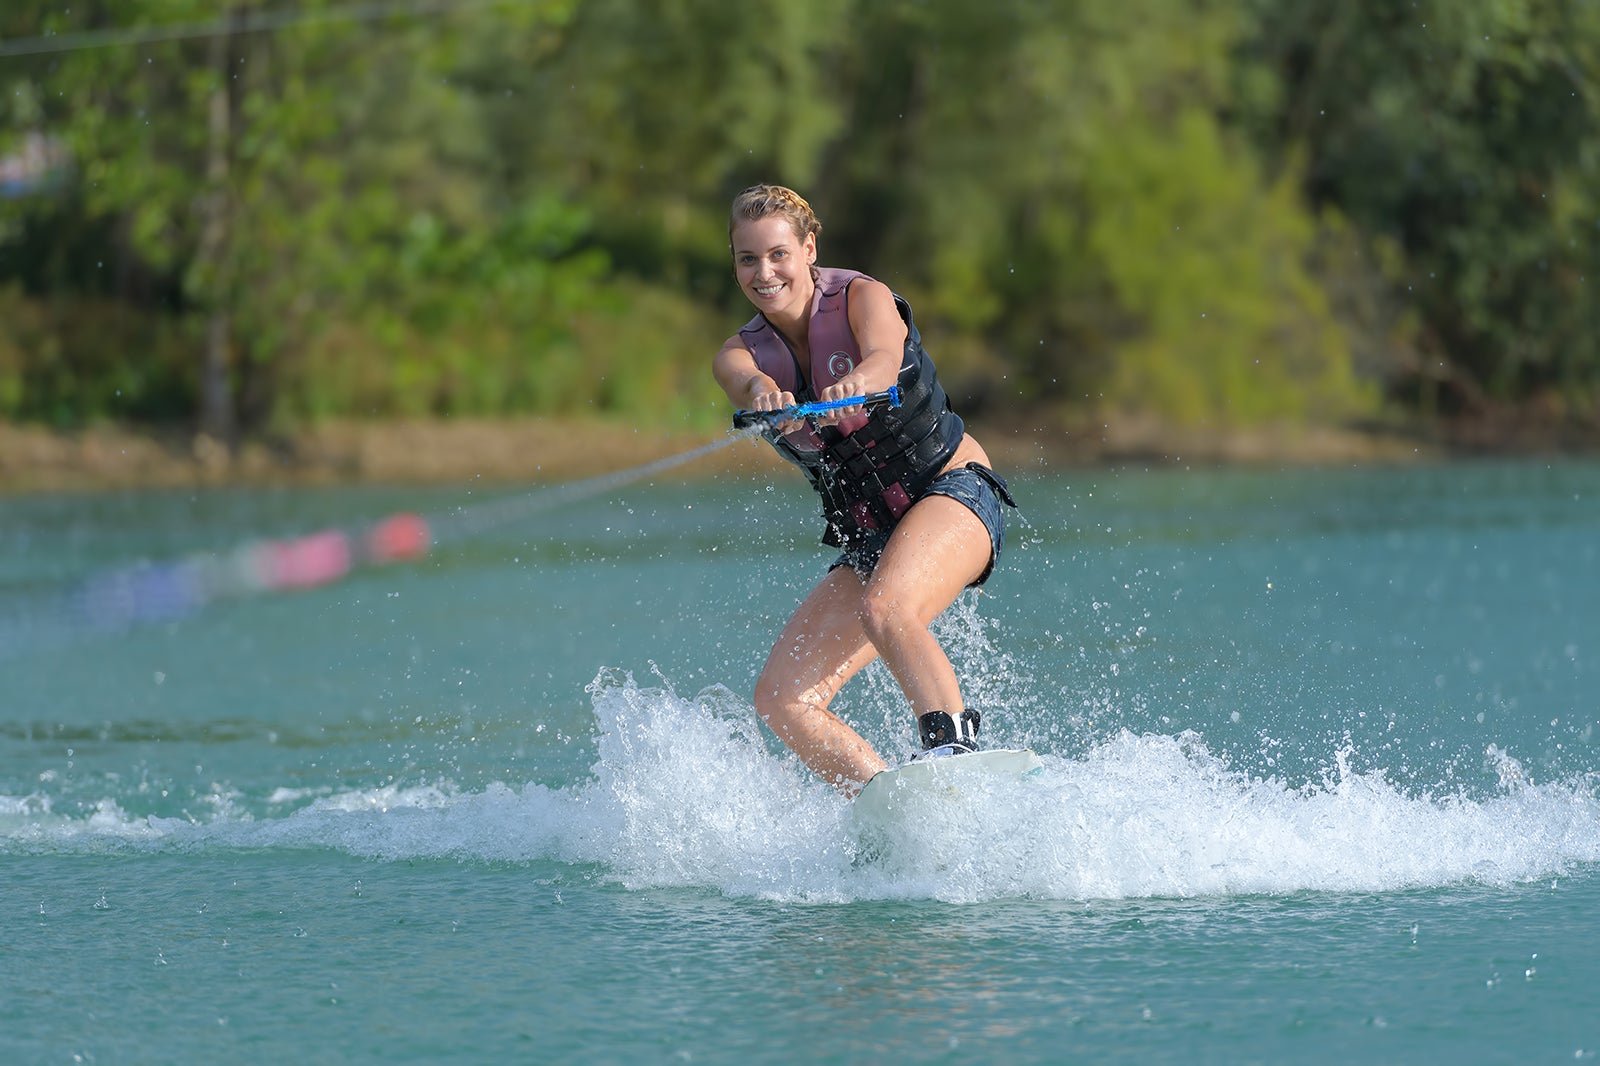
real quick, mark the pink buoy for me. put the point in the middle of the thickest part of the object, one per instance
(398, 537)
(309, 561)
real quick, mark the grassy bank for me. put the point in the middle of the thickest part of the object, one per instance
(36, 459)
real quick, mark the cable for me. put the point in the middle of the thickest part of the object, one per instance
(471, 521)
(116, 599)
(252, 22)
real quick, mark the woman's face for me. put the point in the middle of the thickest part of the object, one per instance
(773, 265)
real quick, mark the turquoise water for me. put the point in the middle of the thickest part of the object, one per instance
(1320, 785)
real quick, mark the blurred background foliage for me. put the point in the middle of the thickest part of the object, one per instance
(243, 216)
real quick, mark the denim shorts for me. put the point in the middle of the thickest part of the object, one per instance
(975, 486)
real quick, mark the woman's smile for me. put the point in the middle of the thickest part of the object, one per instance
(770, 260)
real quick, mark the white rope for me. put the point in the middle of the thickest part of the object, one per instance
(470, 521)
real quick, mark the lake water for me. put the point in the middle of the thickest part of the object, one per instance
(1320, 783)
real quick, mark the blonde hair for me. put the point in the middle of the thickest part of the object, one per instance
(760, 201)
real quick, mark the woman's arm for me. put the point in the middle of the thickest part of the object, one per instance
(747, 387)
(880, 335)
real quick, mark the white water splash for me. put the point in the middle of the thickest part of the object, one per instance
(689, 792)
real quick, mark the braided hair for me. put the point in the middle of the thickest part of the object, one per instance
(761, 201)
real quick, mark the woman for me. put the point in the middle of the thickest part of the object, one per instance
(908, 496)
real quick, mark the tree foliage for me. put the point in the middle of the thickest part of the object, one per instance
(1217, 211)
(1467, 134)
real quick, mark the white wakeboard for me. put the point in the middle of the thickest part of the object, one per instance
(919, 789)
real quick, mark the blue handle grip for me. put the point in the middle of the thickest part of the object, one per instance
(889, 397)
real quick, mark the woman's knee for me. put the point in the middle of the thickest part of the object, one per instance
(884, 617)
(778, 696)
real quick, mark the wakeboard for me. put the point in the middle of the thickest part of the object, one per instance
(917, 788)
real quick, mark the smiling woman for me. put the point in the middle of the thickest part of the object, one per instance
(908, 496)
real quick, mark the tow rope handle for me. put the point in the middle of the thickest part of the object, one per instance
(889, 397)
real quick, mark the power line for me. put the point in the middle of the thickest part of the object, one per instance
(252, 22)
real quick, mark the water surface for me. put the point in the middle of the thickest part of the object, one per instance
(1320, 783)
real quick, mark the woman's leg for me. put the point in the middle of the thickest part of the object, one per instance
(821, 648)
(938, 549)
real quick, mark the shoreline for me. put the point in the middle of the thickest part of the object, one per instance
(532, 450)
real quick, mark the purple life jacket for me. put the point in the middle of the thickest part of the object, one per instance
(872, 466)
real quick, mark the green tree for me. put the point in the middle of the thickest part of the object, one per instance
(1180, 206)
(1467, 135)
(1071, 196)
(278, 171)
(975, 158)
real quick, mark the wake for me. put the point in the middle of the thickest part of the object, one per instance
(688, 792)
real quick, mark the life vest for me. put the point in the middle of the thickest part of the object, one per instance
(870, 467)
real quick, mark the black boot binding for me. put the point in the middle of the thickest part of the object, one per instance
(943, 735)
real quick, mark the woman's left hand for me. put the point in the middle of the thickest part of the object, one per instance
(845, 387)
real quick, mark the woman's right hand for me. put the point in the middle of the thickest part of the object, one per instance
(771, 398)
